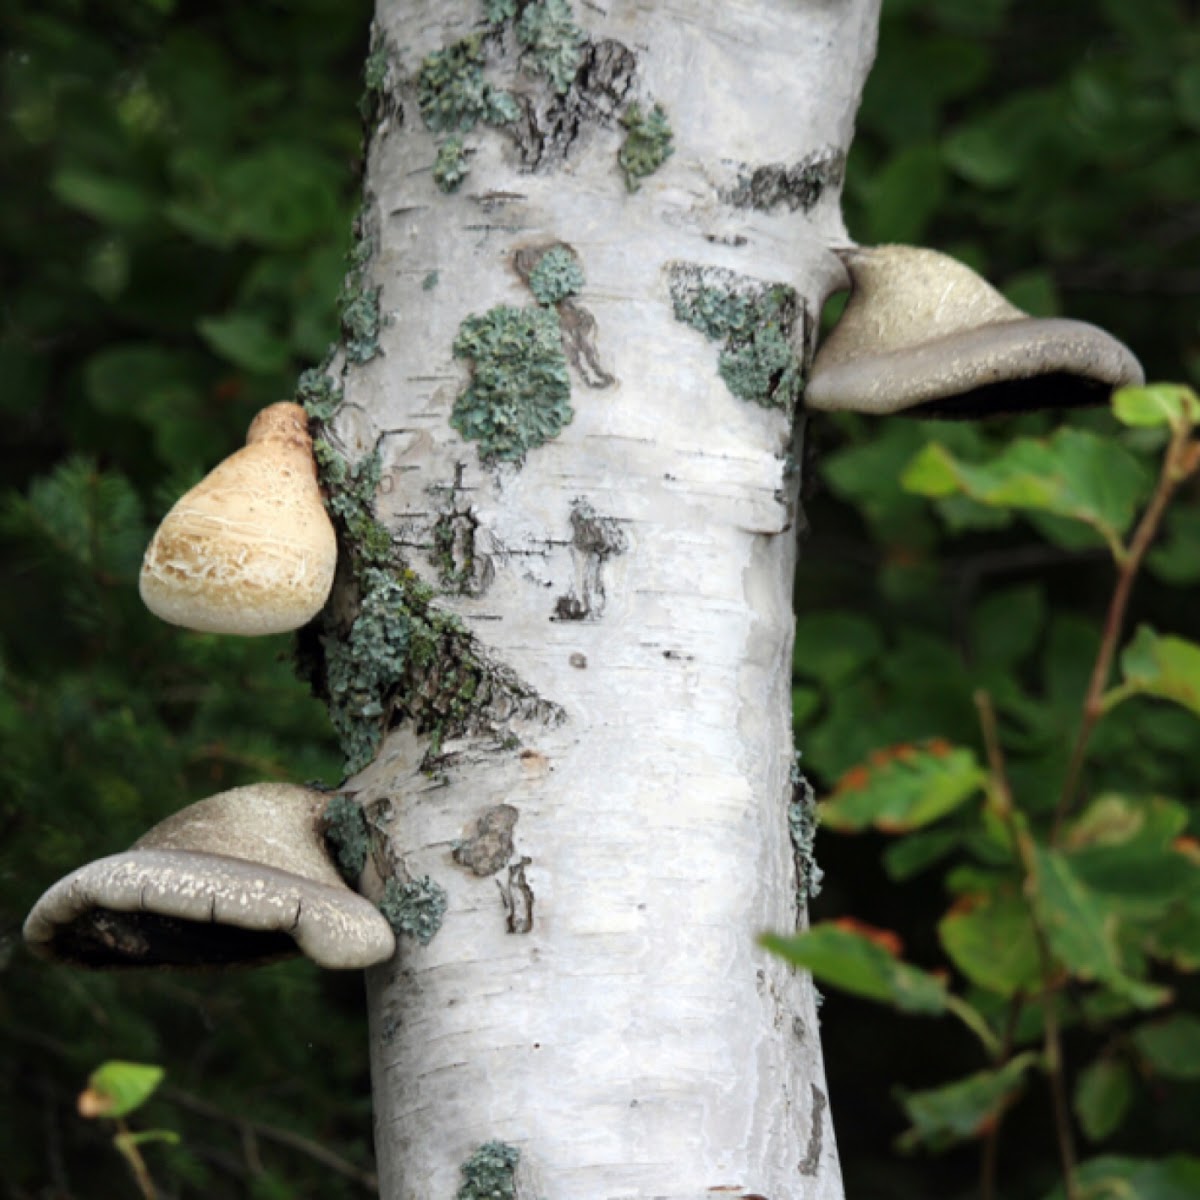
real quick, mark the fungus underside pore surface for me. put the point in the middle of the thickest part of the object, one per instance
(753, 322)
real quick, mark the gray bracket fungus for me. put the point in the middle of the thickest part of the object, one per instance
(241, 878)
(922, 333)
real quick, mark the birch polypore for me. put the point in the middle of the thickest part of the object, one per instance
(924, 334)
(598, 484)
(249, 550)
(241, 878)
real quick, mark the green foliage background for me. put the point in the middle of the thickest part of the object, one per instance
(179, 183)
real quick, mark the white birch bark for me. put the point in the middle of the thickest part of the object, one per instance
(634, 1041)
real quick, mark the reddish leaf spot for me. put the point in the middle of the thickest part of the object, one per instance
(886, 939)
(1189, 847)
(854, 780)
(938, 747)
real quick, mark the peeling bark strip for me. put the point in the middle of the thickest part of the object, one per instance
(595, 540)
(799, 185)
(630, 646)
(491, 845)
(811, 1162)
(518, 898)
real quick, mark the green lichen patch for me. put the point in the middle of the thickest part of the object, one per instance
(519, 394)
(450, 166)
(358, 301)
(429, 282)
(351, 496)
(398, 657)
(490, 1173)
(794, 186)
(319, 393)
(552, 42)
(347, 835)
(363, 668)
(454, 553)
(377, 79)
(648, 143)
(415, 908)
(453, 94)
(557, 275)
(753, 322)
(497, 12)
(802, 828)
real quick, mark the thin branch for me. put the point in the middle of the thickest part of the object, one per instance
(272, 1133)
(989, 1157)
(1170, 477)
(1026, 851)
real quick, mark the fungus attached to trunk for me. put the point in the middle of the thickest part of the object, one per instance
(923, 334)
(250, 549)
(241, 878)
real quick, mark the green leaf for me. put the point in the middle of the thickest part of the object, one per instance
(990, 939)
(1113, 1178)
(904, 787)
(964, 1109)
(911, 855)
(120, 1087)
(1163, 666)
(998, 149)
(1035, 292)
(283, 195)
(112, 201)
(1175, 559)
(904, 194)
(832, 646)
(1103, 1092)
(247, 341)
(1171, 1046)
(1082, 930)
(853, 959)
(1007, 625)
(1187, 93)
(1170, 404)
(1124, 849)
(1071, 474)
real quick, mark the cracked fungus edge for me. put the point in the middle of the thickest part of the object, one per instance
(490, 1173)
(415, 908)
(752, 321)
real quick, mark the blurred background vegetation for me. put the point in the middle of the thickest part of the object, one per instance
(180, 178)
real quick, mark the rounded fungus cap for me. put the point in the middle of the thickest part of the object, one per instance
(241, 878)
(922, 333)
(250, 549)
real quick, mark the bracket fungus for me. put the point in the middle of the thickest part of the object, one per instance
(241, 878)
(924, 334)
(250, 549)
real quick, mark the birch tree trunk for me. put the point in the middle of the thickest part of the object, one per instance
(576, 756)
